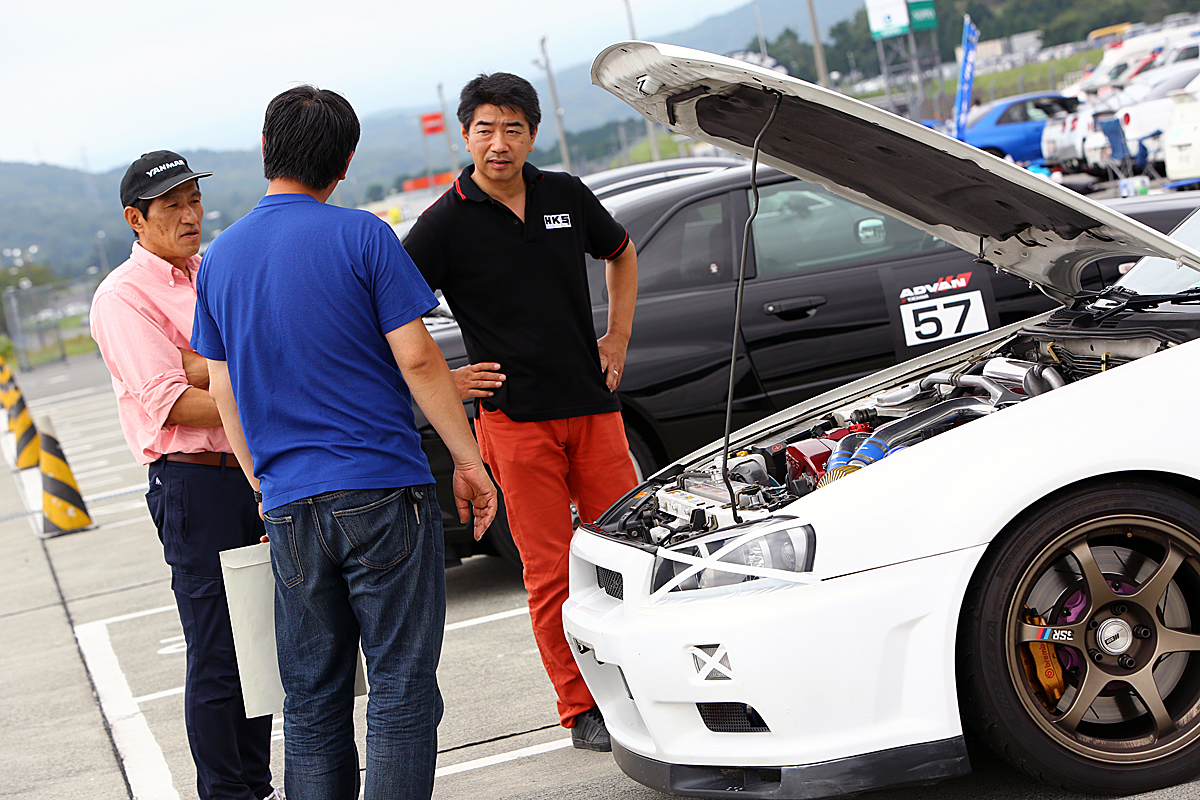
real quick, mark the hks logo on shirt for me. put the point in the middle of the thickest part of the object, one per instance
(558, 221)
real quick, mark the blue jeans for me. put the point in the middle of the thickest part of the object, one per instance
(366, 564)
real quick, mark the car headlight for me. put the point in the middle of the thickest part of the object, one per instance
(768, 549)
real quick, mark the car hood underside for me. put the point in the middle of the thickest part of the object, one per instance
(1005, 215)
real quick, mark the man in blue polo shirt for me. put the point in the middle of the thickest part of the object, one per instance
(310, 316)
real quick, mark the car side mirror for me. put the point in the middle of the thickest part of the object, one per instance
(871, 232)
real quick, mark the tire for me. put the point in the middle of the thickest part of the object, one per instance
(644, 463)
(1091, 598)
(499, 535)
(997, 152)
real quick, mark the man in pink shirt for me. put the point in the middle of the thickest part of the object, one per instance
(198, 496)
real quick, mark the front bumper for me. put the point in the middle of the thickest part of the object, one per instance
(761, 676)
(905, 766)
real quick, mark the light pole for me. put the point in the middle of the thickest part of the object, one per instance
(818, 48)
(762, 39)
(103, 254)
(655, 155)
(446, 129)
(557, 110)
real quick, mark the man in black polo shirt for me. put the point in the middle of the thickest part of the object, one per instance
(506, 245)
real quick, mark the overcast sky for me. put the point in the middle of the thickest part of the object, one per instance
(95, 84)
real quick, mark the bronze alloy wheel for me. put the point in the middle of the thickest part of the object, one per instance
(1080, 640)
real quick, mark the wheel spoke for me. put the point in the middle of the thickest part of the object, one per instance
(1093, 681)
(1150, 592)
(1098, 590)
(1143, 683)
(1172, 641)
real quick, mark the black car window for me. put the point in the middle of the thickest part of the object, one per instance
(692, 249)
(801, 226)
(1014, 113)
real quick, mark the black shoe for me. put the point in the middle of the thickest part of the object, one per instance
(590, 732)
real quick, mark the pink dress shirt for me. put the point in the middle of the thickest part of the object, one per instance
(141, 316)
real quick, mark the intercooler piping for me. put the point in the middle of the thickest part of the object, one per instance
(861, 449)
(894, 435)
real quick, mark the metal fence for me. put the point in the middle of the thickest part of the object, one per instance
(47, 323)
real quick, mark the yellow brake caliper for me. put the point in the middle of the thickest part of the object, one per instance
(1044, 673)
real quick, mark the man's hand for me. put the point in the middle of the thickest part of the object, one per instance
(195, 366)
(612, 358)
(475, 493)
(477, 380)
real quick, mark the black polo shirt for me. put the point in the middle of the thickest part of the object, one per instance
(519, 290)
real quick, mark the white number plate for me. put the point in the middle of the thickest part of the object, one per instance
(943, 318)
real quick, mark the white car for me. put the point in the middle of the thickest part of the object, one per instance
(1004, 532)
(1142, 107)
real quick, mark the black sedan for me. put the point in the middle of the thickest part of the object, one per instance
(834, 291)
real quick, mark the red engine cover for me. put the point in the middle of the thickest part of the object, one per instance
(809, 457)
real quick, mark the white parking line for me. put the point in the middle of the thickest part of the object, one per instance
(106, 421)
(453, 626)
(136, 487)
(467, 623)
(146, 698)
(96, 481)
(144, 764)
(62, 398)
(500, 758)
(121, 523)
(90, 450)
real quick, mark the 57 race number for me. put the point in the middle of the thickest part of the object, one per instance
(943, 318)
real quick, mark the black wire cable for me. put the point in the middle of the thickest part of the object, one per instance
(737, 314)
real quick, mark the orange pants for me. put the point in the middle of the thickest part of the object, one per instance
(542, 467)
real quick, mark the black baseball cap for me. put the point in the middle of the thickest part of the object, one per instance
(155, 174)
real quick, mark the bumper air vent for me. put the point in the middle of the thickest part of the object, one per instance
(731, 718)
(611, 582)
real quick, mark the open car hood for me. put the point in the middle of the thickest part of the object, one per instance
(1007, 216)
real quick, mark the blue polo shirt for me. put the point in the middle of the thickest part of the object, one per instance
(297, 296)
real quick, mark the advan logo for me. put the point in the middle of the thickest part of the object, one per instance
(557, 221)
(924, 290)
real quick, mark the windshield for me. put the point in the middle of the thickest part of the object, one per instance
(1155, 275)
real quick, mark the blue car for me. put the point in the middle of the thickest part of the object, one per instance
(1012, 126)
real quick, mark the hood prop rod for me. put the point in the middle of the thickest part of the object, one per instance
(737, 314)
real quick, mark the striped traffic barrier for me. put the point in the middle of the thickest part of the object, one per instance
(21, 424)
(63, 509)
(8, 385)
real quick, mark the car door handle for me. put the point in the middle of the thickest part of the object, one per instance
(794, 307)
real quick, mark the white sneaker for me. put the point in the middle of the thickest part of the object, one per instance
(276, 795)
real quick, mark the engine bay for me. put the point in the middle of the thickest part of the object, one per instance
(781, 465)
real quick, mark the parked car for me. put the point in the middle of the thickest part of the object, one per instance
(826, 277)
(1152, 114)
(983, 535)
(1013, 125)
(1143, 100)
(636, 176)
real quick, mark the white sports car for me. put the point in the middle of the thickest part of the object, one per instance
(1004, 532)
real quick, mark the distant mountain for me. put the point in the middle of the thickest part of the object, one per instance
(61, 210)
(586, 106)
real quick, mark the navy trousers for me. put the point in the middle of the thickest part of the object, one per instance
(199, 511)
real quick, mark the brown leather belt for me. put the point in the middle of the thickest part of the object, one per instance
(208, 458)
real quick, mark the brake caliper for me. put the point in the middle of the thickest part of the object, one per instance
(1042, 668)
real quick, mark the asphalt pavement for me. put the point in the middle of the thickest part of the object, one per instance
(92, 655)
